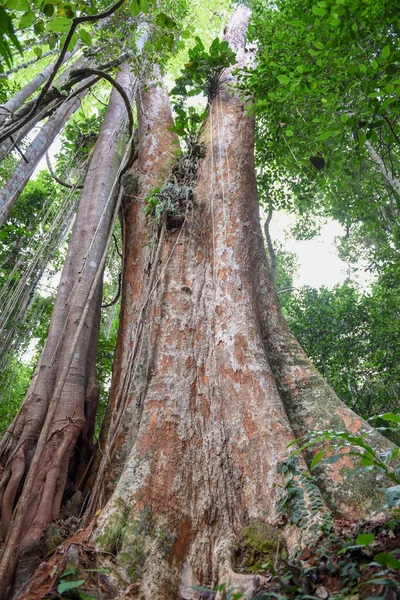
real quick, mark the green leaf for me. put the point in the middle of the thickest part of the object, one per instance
(85, 37)
(72, 42)
(378, 581)
(319, 11)
(383, 558)
(18, 5)
(144, 6)
(60, 25)
(38, 27)
(134, 8)
(27, 19)
(38, 51)
(48, 10)
(84, 596)
(392, 417)
(385, 52)
(331, 460)
(364, 539)
(317, 458)
(65, 586)
(327, 134)
(283, 79)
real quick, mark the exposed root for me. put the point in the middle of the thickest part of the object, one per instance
(248, 585)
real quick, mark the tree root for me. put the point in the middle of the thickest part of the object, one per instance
(248, 585)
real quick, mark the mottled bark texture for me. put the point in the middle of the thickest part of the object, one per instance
(209, 385)
(69, 444)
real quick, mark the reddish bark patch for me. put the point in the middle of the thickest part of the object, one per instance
(249, 426)
(241, 348)
(181, 545)
(336, 468)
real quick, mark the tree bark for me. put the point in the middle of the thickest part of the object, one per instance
(390, 178)
(209, 385)
(9, 107)
(70, 436)
(33, 155)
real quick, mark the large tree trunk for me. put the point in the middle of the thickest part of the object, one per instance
(209, 385)
(71, 426)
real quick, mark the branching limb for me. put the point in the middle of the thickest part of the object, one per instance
(101, 74)
(27, 64)
(117, 295)
(75, 22)
(56, 178)
(390, 178)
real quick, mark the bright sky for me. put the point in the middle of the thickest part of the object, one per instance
(318, 259)
(319, 263)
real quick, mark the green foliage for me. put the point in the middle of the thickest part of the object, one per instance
(202, 73)
(353, 562)
(187, 122)
(301, 499)
(326, 81)
(353, 339)
(7, 37)
(70, 587)
(170, 199)
(201, 76)
(14, 382)
(330, 444)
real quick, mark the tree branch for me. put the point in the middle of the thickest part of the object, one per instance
(118, 87)
(26, 64)
(56, 178)
(75, 22)
(396, 137)
(390, 178)
(117, 295)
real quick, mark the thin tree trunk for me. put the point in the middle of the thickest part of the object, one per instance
(72, 425)
(390, 178)
(33, 155)
(9, 107)
(8, 144)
